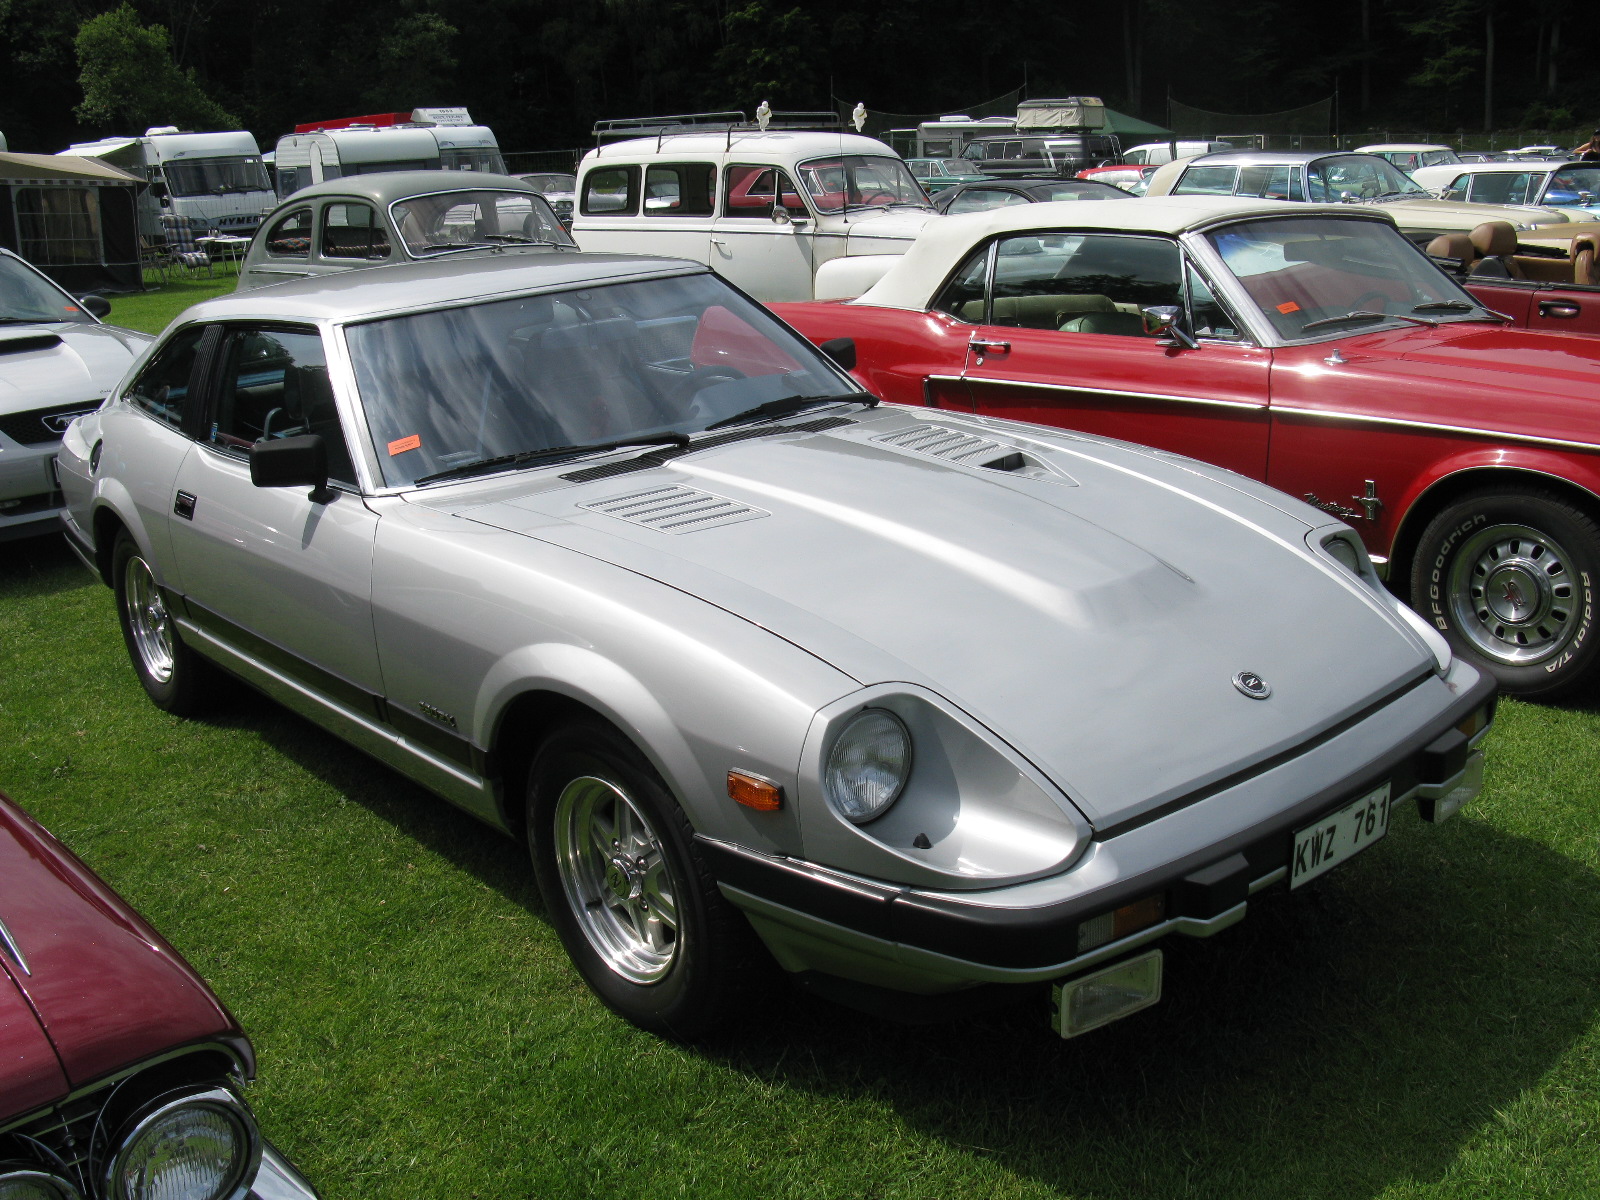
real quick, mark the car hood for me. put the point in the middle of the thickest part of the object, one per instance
(1092, 607)
(891, 224)
(1459, 215)
(100, 990)
(63, 363)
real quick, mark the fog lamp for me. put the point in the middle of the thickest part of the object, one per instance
(1107, 995)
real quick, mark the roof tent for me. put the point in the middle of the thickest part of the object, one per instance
(73, 218)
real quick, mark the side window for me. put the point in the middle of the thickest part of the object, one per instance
(962, 297)
(275, 385)
(1092, 283)
(162, 388)
(679, 190)
(1457, 189)
(755, 191)
(291, 236)
(352, 230)
(610, 191)
(1206, 181)
(1269, 182)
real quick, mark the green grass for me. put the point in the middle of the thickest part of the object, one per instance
(1422, 1023)
(152, 311)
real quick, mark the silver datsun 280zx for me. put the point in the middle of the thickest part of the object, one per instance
(598, 549)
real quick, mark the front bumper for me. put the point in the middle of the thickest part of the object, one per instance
(1202, 857)
(30, 501)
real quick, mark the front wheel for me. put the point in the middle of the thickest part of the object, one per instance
(633, 903)
(1508, 576)
(172, 675)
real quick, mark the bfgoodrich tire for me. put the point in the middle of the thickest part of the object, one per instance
(174, 677)
(630, 897)
(1509, 577)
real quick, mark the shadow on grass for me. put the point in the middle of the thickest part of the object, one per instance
(40, 566)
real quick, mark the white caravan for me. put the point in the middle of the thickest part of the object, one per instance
(426, 139)
(216, 178)
(786, 213)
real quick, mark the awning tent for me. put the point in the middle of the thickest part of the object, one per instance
(73, 218)
(1132, 130)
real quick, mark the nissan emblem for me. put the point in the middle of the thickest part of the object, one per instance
(1252, 685)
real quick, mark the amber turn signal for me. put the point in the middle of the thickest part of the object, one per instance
(752, 791)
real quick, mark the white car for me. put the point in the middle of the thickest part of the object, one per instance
(1572, 187)
(1409, 156)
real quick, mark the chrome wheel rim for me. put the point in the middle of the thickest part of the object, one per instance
(616, 879)
(147, 620)
(1515, 595)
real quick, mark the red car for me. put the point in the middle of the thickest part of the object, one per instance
(1310, 346)
(119, 1068)
(1543, 279)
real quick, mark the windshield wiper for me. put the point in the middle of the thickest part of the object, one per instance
(1459, 306)
(773, 409)
(485, 465)
(1362, 314)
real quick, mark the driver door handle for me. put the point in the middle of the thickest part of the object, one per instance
(980, 346)
(1557, 308)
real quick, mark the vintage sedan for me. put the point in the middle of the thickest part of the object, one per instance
(1573, 187)
(122, 1073)
(57, 361)
(1310, 346)
(598, 549)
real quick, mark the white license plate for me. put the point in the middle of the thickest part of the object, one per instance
(1339, 835)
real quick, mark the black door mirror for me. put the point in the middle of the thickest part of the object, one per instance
(98, 306)
(300, 461)
(842, 351)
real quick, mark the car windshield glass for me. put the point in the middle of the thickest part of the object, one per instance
(472, 160)
(551, 183)
(858, 180)
(449, 221)
(1085, 189)
(1574, 185)
(216, 176)
(1304, 269)
(575, 368)
(25, 295)
(1359, 177)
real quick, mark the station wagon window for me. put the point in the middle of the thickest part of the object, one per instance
(275, 385)
(162, 388)
(755, 191)
(1503, 187)
(290, 237)
(351, 230)
(611, 191)
(1206, 181)
(679, 190)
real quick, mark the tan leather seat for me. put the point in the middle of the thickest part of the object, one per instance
(1457, 247)
(1496, 241)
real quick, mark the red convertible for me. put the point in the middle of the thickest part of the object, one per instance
(120, 1069)
(1310, 346)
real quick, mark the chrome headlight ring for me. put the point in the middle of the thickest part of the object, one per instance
(24, 1181)
(194, 1144)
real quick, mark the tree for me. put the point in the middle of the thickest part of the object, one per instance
(129, 78)
(414, 63)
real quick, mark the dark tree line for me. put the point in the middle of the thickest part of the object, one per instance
(541, 71)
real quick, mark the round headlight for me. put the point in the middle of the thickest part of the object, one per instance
(193, 1148)
(868, 765)
(28, 1183)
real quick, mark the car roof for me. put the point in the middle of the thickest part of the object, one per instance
(1272, 158)
(1509, 167)
(410, 287)
(386, 187)
(944, 242)
(1400, 146)
(774, 146)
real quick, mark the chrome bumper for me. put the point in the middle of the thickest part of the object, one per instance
(277, 1178)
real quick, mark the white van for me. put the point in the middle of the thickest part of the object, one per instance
(217, 178)
(1155, 153)
(426, 139)
(777, 210)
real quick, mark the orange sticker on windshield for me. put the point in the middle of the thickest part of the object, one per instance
(403, 444)
(1287, 307)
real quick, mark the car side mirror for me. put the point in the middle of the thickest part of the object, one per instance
(842, 350)
(95, 305)
(1167, 320)
(300, 461)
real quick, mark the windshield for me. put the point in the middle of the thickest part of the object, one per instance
(1573, 185)
(857, 180)
(448, 221)
(575, 368)
(26, 295)
(1299, 270)
(1358, 177)
(472, 160)
(550, 183)
(216, 176)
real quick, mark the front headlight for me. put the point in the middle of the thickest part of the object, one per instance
(21, 1182)
(868, 765)
(198, 1146)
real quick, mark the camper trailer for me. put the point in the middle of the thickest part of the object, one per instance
(948, 136)
(216, 178)
(425, 139)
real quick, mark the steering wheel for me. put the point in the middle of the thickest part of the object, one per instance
(683, 399)
(878, 198)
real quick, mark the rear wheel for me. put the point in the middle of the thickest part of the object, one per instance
(1509, 577)
(172, 675)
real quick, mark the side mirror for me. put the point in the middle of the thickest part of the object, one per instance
(842, 351)
(95, 305)
(780, 215)
(300, 461)
(1166, 320)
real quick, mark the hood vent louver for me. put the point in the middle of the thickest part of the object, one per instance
(28, 341)
(675, 509)
(937, 441)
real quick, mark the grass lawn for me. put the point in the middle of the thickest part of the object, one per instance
(153, 311)
(1421, 1023)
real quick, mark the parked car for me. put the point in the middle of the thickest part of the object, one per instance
(771, 209)
(57, 361)
(1346, 178)
(997, 193)
(1408, 156)
(936, 174)
(1539, 279)
(597, 548)
(1156, 153)
(1312, 347)
(1061, 154)
(558, 188)
(396, 217)
(1129, 177)
(122, 1074)
(1572, 187)
(1476, 156)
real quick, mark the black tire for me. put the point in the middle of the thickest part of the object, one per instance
(175, 678)
(1509, 576)
(678, 977)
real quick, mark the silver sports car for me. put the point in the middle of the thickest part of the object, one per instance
(600, 550)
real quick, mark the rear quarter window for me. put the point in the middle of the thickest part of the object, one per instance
(611, 191)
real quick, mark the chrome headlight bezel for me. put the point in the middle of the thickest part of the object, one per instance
(59, 1187)
(140, 1126)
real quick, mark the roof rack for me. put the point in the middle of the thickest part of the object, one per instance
(714, 122)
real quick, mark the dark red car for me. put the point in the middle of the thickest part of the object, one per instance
(1545, 279)
(120, 1070)
(1309, 346)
